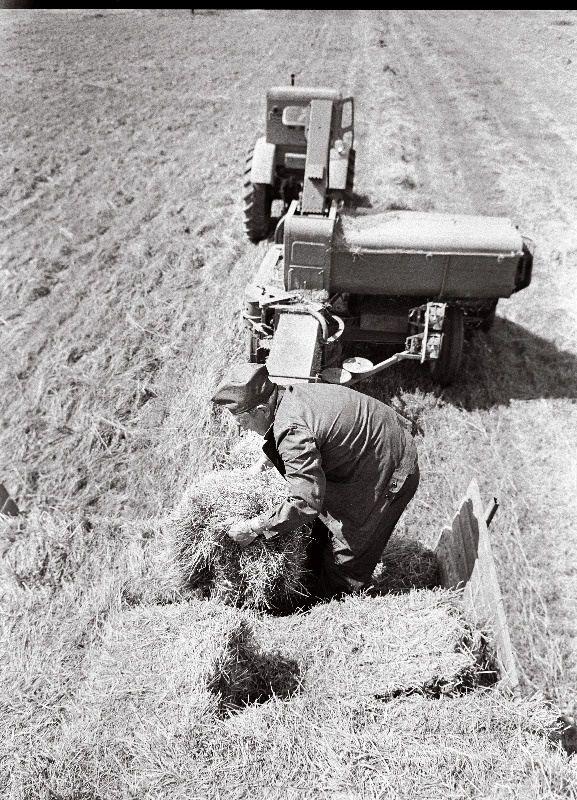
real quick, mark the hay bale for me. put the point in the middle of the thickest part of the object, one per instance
(163, 662)
(383, 646)
(171, 659)
(155, 689)
(480, 745)
(149, 719)
(267, 575)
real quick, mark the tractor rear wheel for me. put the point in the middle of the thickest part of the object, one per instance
(257, 200)
(445, 368)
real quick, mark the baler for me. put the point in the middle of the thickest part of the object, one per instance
(408, 280)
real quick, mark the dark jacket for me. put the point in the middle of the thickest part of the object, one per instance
(343, 455)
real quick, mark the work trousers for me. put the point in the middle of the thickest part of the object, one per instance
(335, 568)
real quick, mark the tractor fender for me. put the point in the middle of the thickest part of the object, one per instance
(263, 159)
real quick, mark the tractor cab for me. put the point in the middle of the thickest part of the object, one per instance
(309, 133)
(288, 116)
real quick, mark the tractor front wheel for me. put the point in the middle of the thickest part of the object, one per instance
(257, 199)
(445, 368)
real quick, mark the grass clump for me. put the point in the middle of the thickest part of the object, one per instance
(269, 574)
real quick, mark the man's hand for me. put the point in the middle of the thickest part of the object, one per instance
(244, 531)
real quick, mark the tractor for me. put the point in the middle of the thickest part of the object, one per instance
(276, 166)
(406, 280)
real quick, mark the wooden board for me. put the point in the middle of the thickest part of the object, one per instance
(465, 561)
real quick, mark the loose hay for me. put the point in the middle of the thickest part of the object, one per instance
(405, 564)
(269, 574)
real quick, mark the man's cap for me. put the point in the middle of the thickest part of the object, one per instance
(246, 386)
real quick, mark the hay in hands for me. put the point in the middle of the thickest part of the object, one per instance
(267, 575)
(246, 451)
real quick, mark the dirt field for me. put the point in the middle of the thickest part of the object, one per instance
(123, 262)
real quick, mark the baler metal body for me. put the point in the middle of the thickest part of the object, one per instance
(404, 278)
(399, 278)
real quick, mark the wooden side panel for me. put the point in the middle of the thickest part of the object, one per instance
(449, 561)
(482, 595)
(467, 527)
(465, 559)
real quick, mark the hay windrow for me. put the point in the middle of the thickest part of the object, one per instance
(44, 637)
(268, 574)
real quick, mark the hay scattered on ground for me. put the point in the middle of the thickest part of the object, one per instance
(268, 574)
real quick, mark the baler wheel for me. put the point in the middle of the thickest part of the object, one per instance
(257, 199)
(445, 368)
(488, 318)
